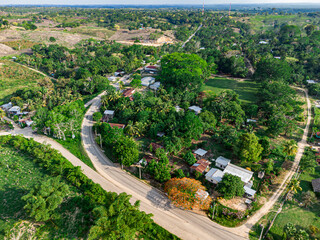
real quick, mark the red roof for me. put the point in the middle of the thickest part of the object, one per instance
(152, 67)
(128, 92)
(119, 125)
(201, 165)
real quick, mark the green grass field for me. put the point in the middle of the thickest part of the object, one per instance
(14, 77)
(18, 174)
(246, 89)
(300, 216)
(262, 22)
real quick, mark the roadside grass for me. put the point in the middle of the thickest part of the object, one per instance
(14, 77)
(300, 216)
(76, 148)
(246, 89)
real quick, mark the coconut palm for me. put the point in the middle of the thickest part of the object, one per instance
(290, 148)
(294, 186)
(131, 129)
(104, 100)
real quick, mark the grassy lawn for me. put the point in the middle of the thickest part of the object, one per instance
(246, 89)
(14, 77)
(300, 216)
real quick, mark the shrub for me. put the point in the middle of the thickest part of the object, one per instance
(52, 39)
(97, 116)
(189, 158)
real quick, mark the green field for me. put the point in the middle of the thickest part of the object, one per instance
(246, 89)
(300, 216)
(14, 77)
(18, 174)
(262, 22)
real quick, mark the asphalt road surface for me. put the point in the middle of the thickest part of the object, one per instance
(185, 224)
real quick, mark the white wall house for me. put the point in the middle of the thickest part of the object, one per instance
(222, 162)
(215, 176)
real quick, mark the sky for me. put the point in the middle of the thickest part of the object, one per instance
(151, 2)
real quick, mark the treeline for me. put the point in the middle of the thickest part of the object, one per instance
(89, 58)
(108, 215)
(237, 51)
(62, 121)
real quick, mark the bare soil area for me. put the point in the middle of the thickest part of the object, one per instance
(128, 37)
(237, 203)
(5, 50)
(42, 36)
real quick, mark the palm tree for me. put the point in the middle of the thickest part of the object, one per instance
(104, 100)
(290, 148)
(131, 129)
(294, 186)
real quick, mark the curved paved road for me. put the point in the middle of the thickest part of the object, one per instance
(184, 224)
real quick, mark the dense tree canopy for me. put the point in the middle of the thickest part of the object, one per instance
(187, 193)
(230, 186)
(183, 72)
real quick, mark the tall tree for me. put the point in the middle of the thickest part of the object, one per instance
(183, 72)
(230, 186)
(290, 148)
(249, 148)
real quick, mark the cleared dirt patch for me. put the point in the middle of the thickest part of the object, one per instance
(5, 50)
(64, 38)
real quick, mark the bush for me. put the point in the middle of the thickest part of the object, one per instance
(189, 158)
(179, 173)
(97, 116)
(52, 39)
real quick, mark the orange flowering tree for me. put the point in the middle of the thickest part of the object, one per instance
(187, 193)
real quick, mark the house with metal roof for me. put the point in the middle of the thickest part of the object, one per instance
(244, 174)
(155, 86)
(214, 175)
(147, 81)
(196, 109)
(6, 106)
(311, 81)
(200, 152)
(222, 162)
(200, 166)
(14, 110)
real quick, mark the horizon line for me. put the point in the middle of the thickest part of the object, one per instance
(153, 4)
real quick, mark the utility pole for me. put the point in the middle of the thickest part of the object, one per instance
(261, 231)
(230, 10)
(214, 207)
